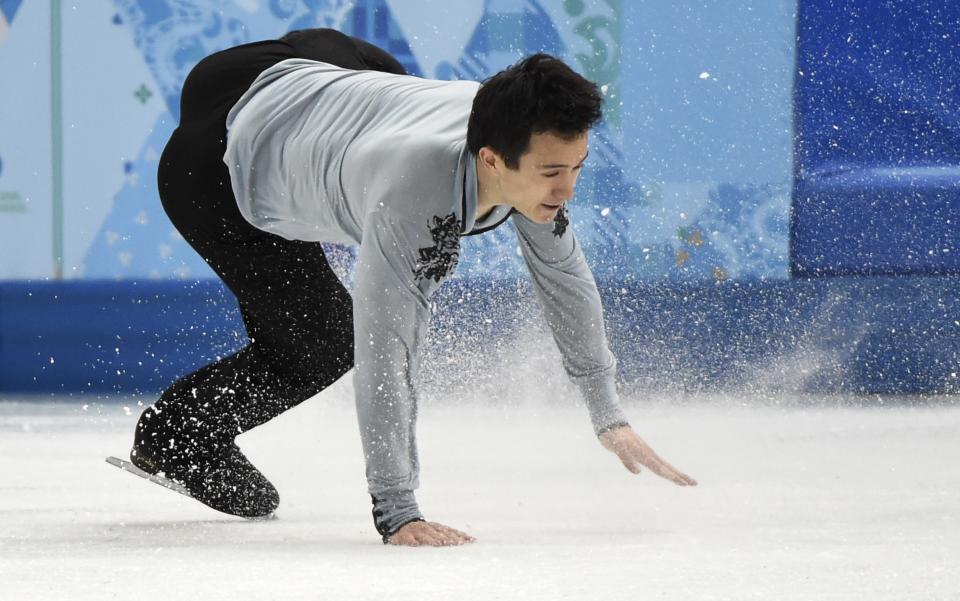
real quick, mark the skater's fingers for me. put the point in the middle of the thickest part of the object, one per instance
(642, 451)
(437, 539)
(448, 529)
(442, 537)
(629, 462)
(675, 477)
(427, 538)
(634, 453)
(667, 471)
(452, 536)
(416, 534)
(626, 458)
(679, 477)
(455, 536)
(431, 535)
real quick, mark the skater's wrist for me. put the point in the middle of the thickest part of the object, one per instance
(613, 426)
(394, 511)
(387, 535)
(603, 402)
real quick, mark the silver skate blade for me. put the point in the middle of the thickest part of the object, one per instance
(129, 467)
(164, 482)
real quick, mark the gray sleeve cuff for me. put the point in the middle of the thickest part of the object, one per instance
(393, 512)
(600, 395)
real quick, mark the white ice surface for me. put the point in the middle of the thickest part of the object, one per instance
(825, 503)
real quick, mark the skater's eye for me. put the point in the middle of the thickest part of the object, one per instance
(556, 173)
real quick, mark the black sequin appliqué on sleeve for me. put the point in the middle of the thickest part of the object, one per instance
(439, 260)
(560, 222)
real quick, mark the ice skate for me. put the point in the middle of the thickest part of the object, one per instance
(224, 480)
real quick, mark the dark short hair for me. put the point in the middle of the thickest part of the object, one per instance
(536, 95)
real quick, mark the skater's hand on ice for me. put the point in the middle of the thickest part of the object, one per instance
(633, 452)
(416, 534)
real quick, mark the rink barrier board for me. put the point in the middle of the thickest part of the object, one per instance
(885, 335)
(876, 147)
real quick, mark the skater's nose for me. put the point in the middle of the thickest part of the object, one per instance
(563, 190)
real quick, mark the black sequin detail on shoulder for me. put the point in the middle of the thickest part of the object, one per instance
(439, 261)
(560, 222)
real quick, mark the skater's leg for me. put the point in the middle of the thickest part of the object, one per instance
(299, 320)
(297, 313)
(298, 317)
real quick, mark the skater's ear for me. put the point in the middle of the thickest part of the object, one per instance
(490, 159)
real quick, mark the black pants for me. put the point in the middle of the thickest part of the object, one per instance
(297, 314)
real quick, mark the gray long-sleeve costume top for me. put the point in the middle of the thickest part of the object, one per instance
(320, 153)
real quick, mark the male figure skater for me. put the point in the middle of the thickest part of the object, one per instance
(319, 137)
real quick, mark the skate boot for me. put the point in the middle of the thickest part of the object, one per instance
(216, 474)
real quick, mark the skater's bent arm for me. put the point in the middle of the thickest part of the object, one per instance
(571, 305)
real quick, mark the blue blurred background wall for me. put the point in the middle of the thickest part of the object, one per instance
(770, 202)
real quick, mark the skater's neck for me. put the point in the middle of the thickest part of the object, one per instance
(486, 199)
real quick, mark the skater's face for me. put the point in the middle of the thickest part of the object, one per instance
(545, 177)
